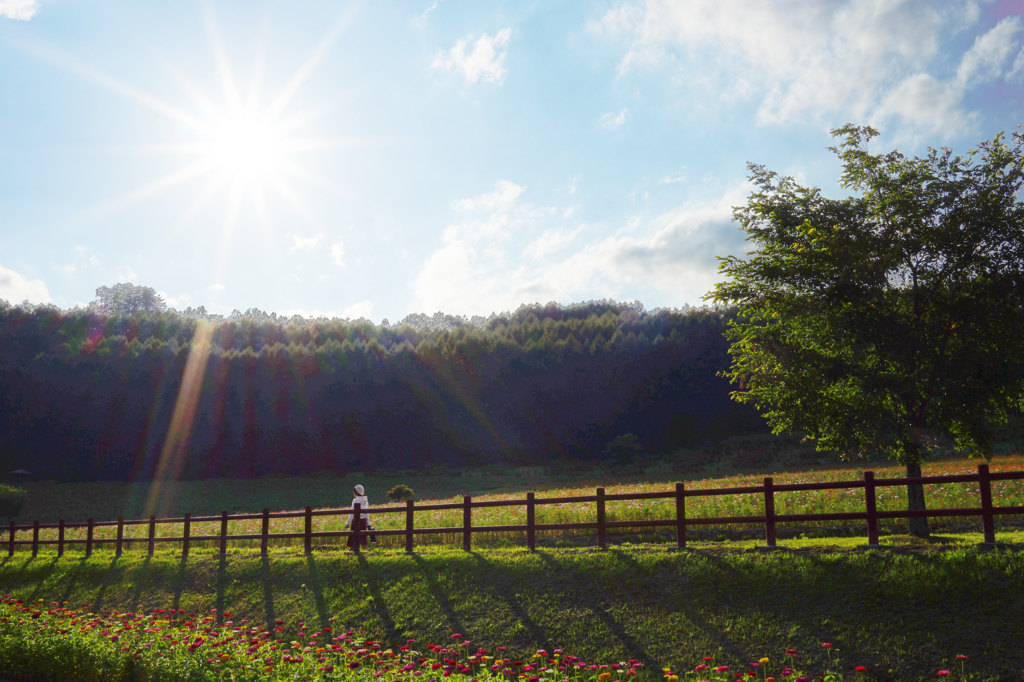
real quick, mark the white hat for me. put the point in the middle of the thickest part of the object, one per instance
(358, 489)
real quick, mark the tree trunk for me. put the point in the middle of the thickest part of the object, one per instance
(917, 526)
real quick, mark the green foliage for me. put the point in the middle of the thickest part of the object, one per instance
(12, 499)
(624, 450)
(400, 493)
(126, 298)
(879, 322)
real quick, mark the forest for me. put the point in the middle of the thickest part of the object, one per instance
(90, 394)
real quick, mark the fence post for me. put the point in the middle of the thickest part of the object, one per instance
(602, 540)
(680, 515)
(769, 511)
(60, 538)
(871, 507)
(10, 543)
(224, 533)
(985, 487)
(265, 532)
(88, 539)
(35, 539)
(355, 527)
(409, 504)
(152, 532)
(531, 521)
(185, 532)
(467, 522)
(120, 535)
(308, 530)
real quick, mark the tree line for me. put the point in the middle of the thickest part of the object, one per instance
(91, 394)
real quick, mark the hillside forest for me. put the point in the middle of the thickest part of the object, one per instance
(90, 395)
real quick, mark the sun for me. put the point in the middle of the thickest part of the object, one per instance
(245, 146)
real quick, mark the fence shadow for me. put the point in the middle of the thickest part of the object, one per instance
(380, 608)
(317, 586)
(40, 579)
(179, 581)
(427, 572)
(141, 571)
(536, 632)
(74, 574)
(268, 594)
(113, 572)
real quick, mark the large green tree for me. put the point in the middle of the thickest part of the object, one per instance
(885, 322)
(126, 298)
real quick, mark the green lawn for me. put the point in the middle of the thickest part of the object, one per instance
(904, 612)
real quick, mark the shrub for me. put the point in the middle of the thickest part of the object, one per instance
(11, 500)
(624, 451)
(400, 493)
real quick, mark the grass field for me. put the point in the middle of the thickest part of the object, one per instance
(106, 501)
(903, 613)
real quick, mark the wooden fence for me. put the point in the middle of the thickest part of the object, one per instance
(770, 519)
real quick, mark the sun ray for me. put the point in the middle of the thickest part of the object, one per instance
(304, 71)
(114, 204)
(227, 77)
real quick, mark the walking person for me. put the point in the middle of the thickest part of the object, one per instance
(363, 522)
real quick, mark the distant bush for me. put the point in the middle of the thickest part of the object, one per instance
(625, 451)
(400, 493)
(11, 500)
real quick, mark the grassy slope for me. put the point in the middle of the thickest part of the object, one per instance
(903, 613)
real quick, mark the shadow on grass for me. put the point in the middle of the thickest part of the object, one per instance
(316, 583)
(141, 572)
(111, 575)
(427, 572)
(380, 609)
(268, 596)
(536, 633)
(40, 577)
(179, 581)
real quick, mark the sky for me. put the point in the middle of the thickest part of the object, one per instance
(380, 158)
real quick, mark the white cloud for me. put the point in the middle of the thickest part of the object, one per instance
(125, 274)
(486, 61)
(16, 288)
(672, 179)
(984, 61)
(1016, 72)
(305, 243)
(357, 310)
(848, 60)
(550, 242)
(674, 254)
(216, 287)
(611, 121)
(504, 195)
(19, 9)
(179, 302)
(338, 253)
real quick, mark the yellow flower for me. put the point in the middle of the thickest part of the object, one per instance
(604, 676)
(673, 678)
(320, 650)
(763, 660)
(225, 657)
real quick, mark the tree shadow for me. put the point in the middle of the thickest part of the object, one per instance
(427, 572)
(222, 579)
(537, 634)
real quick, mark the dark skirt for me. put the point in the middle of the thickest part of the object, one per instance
(360, 525)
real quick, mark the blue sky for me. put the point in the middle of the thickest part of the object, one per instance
(375, 159)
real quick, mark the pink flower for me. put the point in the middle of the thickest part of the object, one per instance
(943, 673)
(722, 669)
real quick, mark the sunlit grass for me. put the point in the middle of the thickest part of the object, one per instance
(939, 496)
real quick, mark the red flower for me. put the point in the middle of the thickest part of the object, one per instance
(826, 645)
(961, 657)
(860, 669)
(943, 673)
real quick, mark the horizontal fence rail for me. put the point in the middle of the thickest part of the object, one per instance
(601, 525)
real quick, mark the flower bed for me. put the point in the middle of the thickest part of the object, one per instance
(59, 644)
